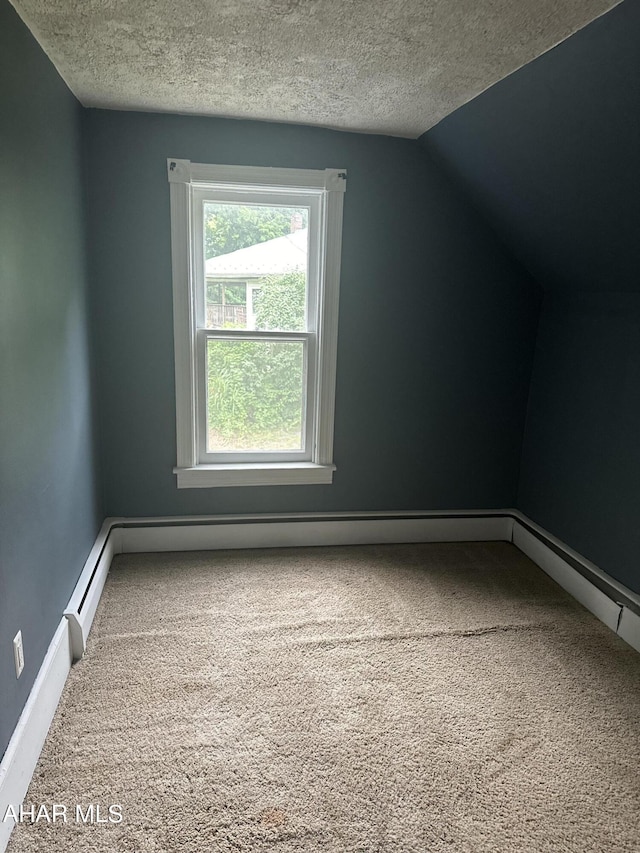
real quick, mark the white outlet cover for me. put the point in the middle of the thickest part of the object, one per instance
(18, 653)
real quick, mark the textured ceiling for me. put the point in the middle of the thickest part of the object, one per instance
(381, 66)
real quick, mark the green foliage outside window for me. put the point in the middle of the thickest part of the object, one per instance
(229, 227)
(280, 303)
(255, 387)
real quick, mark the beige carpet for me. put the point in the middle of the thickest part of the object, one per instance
(415, 698)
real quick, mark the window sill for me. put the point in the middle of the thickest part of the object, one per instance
(242, 474)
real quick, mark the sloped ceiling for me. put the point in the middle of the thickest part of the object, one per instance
(379, 66)
(550, 158)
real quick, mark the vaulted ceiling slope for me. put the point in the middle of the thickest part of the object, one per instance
(550, 157)
(381, 66)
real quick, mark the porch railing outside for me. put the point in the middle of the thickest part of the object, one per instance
(219, 316)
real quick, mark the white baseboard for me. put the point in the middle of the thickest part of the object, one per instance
(629, 628)
(601, 605)
(26, 743)
(86, 595)
(330, 529)
(589, 567)
(558, 560)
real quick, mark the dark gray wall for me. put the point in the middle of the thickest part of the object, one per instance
(435, 338)
(48, 509)
(581, 459)
(550, 157)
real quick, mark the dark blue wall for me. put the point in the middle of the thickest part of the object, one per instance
(550, 157)
(581, 460)
(49, 513)
(435, 338)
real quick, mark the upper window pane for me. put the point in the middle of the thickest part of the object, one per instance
(255, 266)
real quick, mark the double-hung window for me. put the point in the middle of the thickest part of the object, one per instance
(256, 268)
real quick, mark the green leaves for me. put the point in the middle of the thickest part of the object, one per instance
(280, 304)
(229, 227)
(255, 394)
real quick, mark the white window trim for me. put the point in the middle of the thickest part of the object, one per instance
(183, 176)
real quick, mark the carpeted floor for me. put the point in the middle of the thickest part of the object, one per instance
(413, 698)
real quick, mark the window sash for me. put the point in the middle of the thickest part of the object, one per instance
(268, 198)
(309, 402)
(200, 195)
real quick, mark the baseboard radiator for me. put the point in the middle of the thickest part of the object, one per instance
(84, 601)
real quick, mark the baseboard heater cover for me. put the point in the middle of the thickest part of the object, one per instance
(571, 563)
(583, 590)
(83, 603)
(629, 627)
(313, 530)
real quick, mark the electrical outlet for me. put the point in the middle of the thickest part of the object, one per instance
(18, 654)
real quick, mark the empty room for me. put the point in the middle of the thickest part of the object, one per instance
(319, 426)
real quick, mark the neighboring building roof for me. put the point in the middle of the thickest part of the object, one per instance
(273, 257)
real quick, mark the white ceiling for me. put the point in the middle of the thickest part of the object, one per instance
(379, 66)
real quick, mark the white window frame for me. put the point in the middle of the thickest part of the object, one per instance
(323, 190)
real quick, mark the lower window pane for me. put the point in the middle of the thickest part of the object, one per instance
(255, 396)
